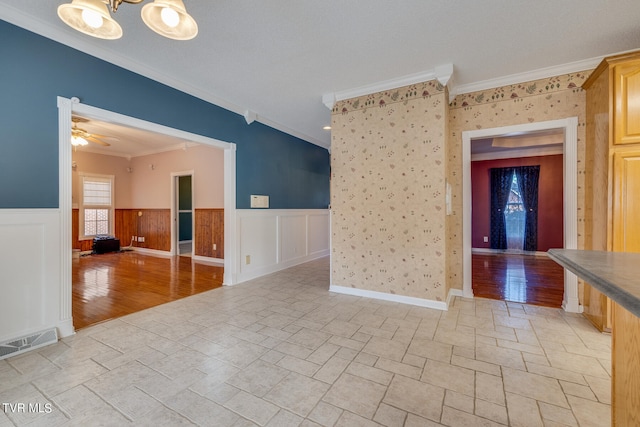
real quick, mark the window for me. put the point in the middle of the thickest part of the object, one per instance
(514, 216)
(96, 215)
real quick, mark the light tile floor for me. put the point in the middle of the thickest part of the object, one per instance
(283, 351)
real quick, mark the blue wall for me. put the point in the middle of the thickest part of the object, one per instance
(34, 71)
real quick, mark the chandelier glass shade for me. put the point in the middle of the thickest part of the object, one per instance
(168, 18)
(90, 17)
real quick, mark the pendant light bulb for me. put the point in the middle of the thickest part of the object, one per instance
(170, 17)
(92, 18)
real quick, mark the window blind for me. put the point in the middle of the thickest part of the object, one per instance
(96, 191)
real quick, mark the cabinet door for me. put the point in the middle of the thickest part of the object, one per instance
(597, 308)
(627, 103)
(626, 201)
(626, 368)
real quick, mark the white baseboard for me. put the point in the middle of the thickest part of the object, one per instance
(207, 260)
(154, 252)
(65, 328)
(452, 294)
(420, 302)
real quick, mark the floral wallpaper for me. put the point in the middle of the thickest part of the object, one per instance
(387, 192)
(541, 100)
(392, 153)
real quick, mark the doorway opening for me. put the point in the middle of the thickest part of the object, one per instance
(568, 127)
(183, 214)
(67, 108)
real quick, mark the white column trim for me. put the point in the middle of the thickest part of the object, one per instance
(230, 229)
(65, 107)
(570, 300)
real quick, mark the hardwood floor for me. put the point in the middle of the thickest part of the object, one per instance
(528, 279)
(115, 284)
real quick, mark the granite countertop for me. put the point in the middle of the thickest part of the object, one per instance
(615, 274)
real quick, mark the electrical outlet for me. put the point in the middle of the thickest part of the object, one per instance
(248, 259)
(134, 238)
(485, 239)
(215, 247)
(141, 239)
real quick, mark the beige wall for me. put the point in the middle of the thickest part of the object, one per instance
(541, 100)
(145, 188)
(102, 165)
(387, 192)
(392, 153)
(151, 189)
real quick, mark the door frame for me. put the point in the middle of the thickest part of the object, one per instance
(175, 212)
(66, 108)
(570, 302)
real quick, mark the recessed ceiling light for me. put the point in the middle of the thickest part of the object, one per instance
(327, 128)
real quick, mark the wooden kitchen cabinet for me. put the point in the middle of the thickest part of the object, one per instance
(625, 363)
(626, 200)
(612, 209)
(626, 92)
(612, 169)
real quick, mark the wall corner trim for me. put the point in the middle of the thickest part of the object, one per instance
(403, 299)
(65, 328)
(329, 100)
(250, 116)
(441, 73)
(452, 294)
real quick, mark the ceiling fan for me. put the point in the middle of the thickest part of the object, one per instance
(80, 137)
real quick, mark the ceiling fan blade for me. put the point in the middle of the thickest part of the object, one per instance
(114, 138)
(95, 140)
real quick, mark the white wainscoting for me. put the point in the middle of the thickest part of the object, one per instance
(270, 240)
(30, 273)
(403, 299)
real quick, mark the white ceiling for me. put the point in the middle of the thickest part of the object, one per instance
(277, 58)
(540, 143)
(127, 141)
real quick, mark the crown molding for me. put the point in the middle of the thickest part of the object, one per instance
(183, 146)
(292, 132)
(441, 73)
(45, 29)
(542, 73)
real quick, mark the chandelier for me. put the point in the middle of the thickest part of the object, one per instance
(168, 18)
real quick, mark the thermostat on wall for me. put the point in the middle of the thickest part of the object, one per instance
(259, 201)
